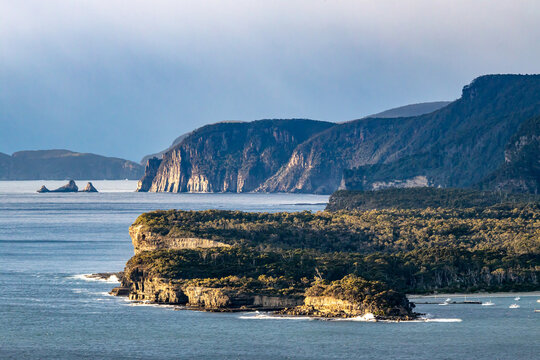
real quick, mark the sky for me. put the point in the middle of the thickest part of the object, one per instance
(125, 78)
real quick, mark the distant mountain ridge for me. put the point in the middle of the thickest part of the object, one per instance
(411, 110)
(64, 164)
(459, 144)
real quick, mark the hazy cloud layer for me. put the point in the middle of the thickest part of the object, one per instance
(125, 78)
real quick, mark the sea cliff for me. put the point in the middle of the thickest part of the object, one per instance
(478, 140)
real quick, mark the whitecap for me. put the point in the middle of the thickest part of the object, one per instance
(368, 317)
(266, 316)
(428, 318)
(443, 320)
(151, 304)
(113, 279)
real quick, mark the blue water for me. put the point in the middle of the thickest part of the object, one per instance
(47, 310)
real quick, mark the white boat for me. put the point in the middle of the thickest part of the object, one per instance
(444, 303)
(447, 300)
(517, 298)
(514, 306)
(488, 303)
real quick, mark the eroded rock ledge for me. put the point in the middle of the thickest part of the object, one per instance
(144, 238)
(234, 278)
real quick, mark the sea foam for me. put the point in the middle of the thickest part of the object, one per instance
(266, 316)
(113, 279)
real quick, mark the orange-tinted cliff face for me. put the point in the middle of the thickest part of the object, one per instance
(229, 157)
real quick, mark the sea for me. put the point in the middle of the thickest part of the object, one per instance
(50, 309)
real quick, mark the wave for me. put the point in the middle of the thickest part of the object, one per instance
(113, 279)
(149, 304)
(266, 316)
(365, 318)
(442, 320)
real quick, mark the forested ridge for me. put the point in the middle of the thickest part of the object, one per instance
(494, 248)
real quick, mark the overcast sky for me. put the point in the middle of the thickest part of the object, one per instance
(124, 78)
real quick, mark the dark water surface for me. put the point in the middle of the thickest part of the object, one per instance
(48, 310)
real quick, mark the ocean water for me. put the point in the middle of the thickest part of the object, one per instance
(49, 310)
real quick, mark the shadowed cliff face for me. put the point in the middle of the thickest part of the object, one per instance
(231, 157)
(150, 171)
(520, 172)
(455, 146)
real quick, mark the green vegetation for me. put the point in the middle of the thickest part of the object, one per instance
(512, 228)
(368, 258)
(424, 197)
(372, 295)
(446, 269)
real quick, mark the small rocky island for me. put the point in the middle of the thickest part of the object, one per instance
(70, 187)
(331, 263)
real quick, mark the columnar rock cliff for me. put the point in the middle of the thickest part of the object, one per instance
(231, 156)
(150, 171)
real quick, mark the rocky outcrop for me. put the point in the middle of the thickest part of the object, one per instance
(150, 171)
(156, 290)
(89, 188)
(362, 299)
(353, 296)
(69, 187)
(219, 299)
(144, 239)
(65, 164)
(230, 156)
(326, 306)
(173, 292)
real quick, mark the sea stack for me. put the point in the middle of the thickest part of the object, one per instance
(69, 187)
(89, 188)
(43, 189)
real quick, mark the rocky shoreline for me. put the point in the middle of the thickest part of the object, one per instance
(325, 265)
(230, 299)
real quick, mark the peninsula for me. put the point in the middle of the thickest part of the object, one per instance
(333, 263)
